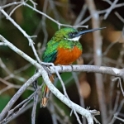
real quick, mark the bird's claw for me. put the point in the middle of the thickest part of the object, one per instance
(47, 69)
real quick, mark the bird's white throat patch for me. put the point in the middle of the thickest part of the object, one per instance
(74, 39)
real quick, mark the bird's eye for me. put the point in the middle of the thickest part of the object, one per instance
(71, 35)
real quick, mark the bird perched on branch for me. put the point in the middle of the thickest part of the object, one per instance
(63, 49)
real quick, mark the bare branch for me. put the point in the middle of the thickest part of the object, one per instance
(98, 58)
(110, 9)
(89, 68)
(18, 94)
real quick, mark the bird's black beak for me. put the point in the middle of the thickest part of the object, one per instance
(87, 31)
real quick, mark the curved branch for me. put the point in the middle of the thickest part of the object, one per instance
(84, 112)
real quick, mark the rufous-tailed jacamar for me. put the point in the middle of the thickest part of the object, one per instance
(63, 49)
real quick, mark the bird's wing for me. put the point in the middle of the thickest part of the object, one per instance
(50, 53)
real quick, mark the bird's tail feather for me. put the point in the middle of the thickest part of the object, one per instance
(46, 93)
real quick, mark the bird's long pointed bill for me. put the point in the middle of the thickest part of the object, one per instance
(87, 31)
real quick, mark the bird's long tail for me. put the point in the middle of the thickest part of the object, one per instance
(46, 93)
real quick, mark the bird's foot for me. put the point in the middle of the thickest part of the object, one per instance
(47, 66)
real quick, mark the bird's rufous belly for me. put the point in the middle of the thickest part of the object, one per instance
(67, 56)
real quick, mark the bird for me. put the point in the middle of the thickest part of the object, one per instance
(64, 48)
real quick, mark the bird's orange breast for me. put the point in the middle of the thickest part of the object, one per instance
(67, 56)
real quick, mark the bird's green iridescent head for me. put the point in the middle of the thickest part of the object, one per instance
(64, 33)
(71, 34)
